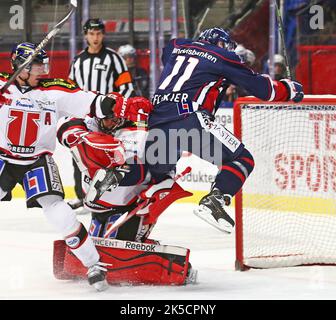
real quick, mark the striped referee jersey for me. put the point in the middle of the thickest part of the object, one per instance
(103, 72)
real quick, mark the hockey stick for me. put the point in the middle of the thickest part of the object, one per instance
(281, 31)
(51, 34)
(128, 215)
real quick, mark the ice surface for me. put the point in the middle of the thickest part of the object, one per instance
(26, 264)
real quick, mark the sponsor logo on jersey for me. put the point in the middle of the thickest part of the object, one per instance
(20, 149)
(72, 242)
(34, 182)
(58, 82)
(102, 67)
(46, 105)
(24, 103)
(193, 52)
(55, 180)
(184, 108)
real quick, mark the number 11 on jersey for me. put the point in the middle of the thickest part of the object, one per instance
(189, 68)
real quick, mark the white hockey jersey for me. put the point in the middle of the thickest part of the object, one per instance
(29, 122)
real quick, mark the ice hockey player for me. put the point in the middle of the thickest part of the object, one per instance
(95, 144)
(195, 75)
(29, 111)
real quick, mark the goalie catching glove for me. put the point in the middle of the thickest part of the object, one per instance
(133, 109)
(96, 150)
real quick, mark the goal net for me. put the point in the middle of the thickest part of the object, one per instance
(286, 211)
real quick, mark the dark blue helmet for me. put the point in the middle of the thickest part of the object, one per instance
(21, 52)
(214, 35)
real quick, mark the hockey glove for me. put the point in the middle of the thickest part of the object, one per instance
(294, 88)
(133, 109)
(96, 150)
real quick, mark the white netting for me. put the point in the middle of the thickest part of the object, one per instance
(289, 206)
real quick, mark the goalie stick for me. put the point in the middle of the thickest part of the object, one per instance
(281, 31)
(128, 215)
(51, 34)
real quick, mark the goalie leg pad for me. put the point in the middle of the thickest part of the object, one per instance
(160, 197)
(128, 262)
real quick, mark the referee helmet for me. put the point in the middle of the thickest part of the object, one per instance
(96, 24)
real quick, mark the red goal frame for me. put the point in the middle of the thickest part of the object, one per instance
(308, 100)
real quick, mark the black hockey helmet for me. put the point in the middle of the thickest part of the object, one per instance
(96, 24)
(114, 124)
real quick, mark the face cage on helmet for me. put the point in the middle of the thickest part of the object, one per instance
(38, 69)
(118, 123)
(230, 46)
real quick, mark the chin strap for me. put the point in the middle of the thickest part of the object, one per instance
(26, 80)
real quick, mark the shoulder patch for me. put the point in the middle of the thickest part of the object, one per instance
(4, 75)
(58, 82)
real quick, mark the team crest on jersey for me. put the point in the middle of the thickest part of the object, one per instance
(184, 107)
(34, 182)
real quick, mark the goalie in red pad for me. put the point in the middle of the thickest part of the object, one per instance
(107, 152)
(130, 262)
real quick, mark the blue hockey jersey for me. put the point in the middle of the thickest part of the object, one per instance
(194, 76)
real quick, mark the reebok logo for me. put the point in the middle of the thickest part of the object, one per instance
(140, 246)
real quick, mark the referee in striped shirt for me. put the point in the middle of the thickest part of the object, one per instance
(101, 69)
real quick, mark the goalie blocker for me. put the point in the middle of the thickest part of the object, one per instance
(129, 262)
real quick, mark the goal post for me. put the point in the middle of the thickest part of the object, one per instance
(286, 211)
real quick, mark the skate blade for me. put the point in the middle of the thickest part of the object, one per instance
(82, 211)
(222, 225)
(100, 285)
(192, 277)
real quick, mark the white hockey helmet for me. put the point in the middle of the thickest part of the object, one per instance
(127, 50)
(277, 59)
(246, 55)
(250, 57)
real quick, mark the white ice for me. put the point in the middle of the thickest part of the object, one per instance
(26, 264)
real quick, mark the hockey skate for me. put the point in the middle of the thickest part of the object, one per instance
(96, 276)
(191, 276)
(211, 209)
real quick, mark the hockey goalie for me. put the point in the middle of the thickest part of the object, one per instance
(125, 206)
